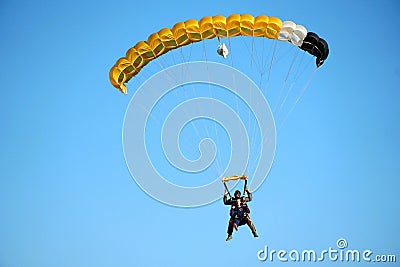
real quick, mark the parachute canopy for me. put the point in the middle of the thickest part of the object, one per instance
(190, 31)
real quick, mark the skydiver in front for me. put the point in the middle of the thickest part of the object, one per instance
(239, 212)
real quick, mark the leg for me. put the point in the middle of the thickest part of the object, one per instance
(230, 226)
(236, 223)
(251, 226)
(230, 229)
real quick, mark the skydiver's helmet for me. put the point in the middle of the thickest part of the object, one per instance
(237, 193)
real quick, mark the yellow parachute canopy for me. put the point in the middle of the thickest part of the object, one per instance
(184, 33)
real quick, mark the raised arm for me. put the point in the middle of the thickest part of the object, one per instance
(249, 195)
(227, 201)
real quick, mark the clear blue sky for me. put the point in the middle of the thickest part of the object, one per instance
(67, 197)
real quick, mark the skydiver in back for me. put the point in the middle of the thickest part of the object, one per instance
(239, 212)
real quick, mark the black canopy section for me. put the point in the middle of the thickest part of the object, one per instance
(316, 46)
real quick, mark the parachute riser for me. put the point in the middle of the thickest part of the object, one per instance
(227, 190)
(245, 186)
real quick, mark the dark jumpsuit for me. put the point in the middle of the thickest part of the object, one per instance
(239, 214)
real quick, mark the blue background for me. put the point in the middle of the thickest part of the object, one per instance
(67, 197)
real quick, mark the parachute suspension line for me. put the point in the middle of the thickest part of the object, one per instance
(305, 87)
(153, 92)
(205, 54)
(183, 59)
(158, 60)
(146, 74)
(217, 160)
(169, 79)
(265, 70)
(162, 63)
(195, 127)
(252, 54)
(255, 141)
(270, 67)
(173, 58)
(155, 119)
(265, 59)
(298, 73)
(249, 131)
(284, 84)
(263, 64)
(190, 53)
(148, 112)
(163, 66)
(236, 88)
(301, 71)
(298, 98)
(230, 49)
(291, 86)
(250, 126)
(262, 71)
(250, 87)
